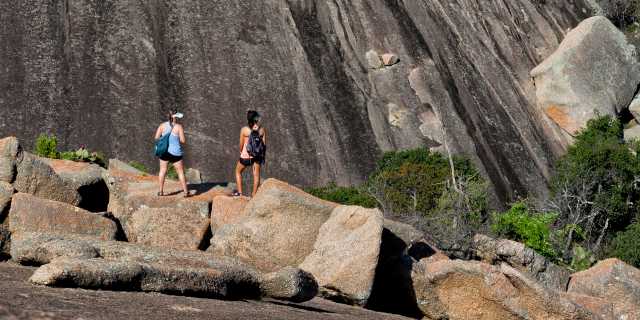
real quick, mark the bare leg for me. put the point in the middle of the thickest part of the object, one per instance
(183, 181)
(239, 169)
(162, 174)
(256, 178)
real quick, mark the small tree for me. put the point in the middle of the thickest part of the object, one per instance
(595, 186)
(626, 245)
(444, 197)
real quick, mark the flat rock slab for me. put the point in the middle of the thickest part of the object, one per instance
(184, 226)
(39, 248)
(23, 300)
(32, 214)
(95, 264)
(223, 283)
(76, 173)
(280, 227)
(345, 255)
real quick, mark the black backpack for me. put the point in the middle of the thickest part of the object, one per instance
(255, 146)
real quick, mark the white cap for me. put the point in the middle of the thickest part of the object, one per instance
(178, 115)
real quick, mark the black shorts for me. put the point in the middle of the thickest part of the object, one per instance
(171, 158)
(250, 162)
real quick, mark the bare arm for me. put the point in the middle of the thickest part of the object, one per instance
(159, 132)
(183, 140)
(241, 139)
(264, 135)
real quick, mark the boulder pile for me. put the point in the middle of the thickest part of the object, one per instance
(283, 244)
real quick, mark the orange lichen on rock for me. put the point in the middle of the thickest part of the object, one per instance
(560, 116)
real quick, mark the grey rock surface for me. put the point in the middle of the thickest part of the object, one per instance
(632, 131)
(79, 261)
(9, 149)
(103, 74)
(34, 176)
(87, 179)
(6, 192)
(522, 258)
(594, 71)
(290, 284)
(22, 300)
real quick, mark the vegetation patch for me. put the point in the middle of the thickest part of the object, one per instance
(47, 147)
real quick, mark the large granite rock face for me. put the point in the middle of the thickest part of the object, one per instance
(613, 281)
(594, 71)
(279, 228)
(102, 73)
(346, 253)
(32, 214)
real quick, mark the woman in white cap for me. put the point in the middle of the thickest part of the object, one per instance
(174, 153)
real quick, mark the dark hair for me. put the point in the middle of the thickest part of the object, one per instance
(170, 114)
(252, 117)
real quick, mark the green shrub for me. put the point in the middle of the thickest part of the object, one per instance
(521, 224)
(344, 195)
(84, 155)
(47, 146)
(68, 155)
(582, 259)
(414, 180)
(595, 184)
(139, 166)
(626, 245)
(171, 173)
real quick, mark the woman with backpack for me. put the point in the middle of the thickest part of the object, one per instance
(169, 140)
(253, 144)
